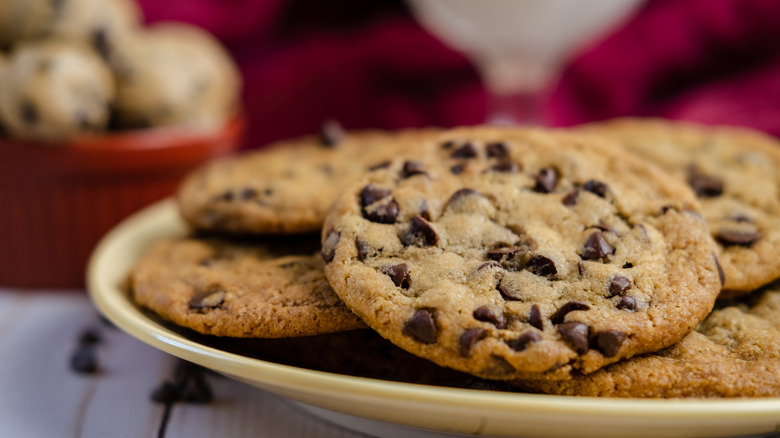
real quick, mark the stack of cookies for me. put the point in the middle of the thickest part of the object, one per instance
(626, 258)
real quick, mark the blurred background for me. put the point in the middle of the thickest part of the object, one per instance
(372, 64)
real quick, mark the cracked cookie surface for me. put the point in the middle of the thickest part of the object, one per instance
(289, 186)
(735, 173)
(521, 253)
(735, 352)
(261, 288)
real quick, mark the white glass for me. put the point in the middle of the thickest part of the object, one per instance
(519, 45)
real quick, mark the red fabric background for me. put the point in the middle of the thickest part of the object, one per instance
(370, 65)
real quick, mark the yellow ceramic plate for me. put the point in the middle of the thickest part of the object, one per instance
(385, 407)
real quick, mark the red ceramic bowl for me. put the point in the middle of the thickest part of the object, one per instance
(56, 202)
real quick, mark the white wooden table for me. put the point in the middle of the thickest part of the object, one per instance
(41, 396)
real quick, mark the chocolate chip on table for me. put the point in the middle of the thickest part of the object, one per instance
(399, 274)
(487, 314)
(618, 286)
(421, 327)
(546, 180)
(496, 149)
(596, 247)
(166, 393)
(90, 336)
(85, 360)
(535, 317)
(332, 133)
(541, 266)
(626, 303)
(705, 186)
(469, 337)
(609, 342)
(575, 333)
(205, 300)
(737, 237)
(721, 274)
(329, 245)
(570, 306)
(520, 344)
(466, 151)
(420, 233)
(571, 198)
(412, 168)
(596, 187)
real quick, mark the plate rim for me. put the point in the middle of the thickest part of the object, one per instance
(113, 303)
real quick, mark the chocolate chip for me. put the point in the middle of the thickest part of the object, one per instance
(399, 274)
(596, 187)
(382, 165)
(362, 249)
(421, 327)
(329, 245)
(448, 144)
(605, 229)
(626, 303)
(509, 292)
(227, 196)
(248, 193)
(470, 337)
(571, 198)
(618, 286)
(596, 247)
(458, 169)
(371, 194)
(332, 133)
(166, 393)
(581, 268)
(628, 265)
(466, 151)
(546, 180)
(209, 299)
(486, 314)
(499, 254)
(412, 168)
(99, 39)
(506, 166)
(462, 193)
(90, 336)
(609, 342)
(488, 265)
(721, 274)
(496, 149)
(84, 360)
(571, 306)
(737, 237)
(535, 317)
(522, 342)
(575, 333)
(420, 233)
(384, 214)
(29, 112)
(705, 186)
(541, 266)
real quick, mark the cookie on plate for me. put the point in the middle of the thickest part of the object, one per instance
(735, 352)
(735, 173)
(522, 253)
(289, 186)
(264, 288)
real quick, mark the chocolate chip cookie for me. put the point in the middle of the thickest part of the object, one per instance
(265, 288)
(735, 352)
(522, 253)
(736, 175)
(53, 90)
(289, 186)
